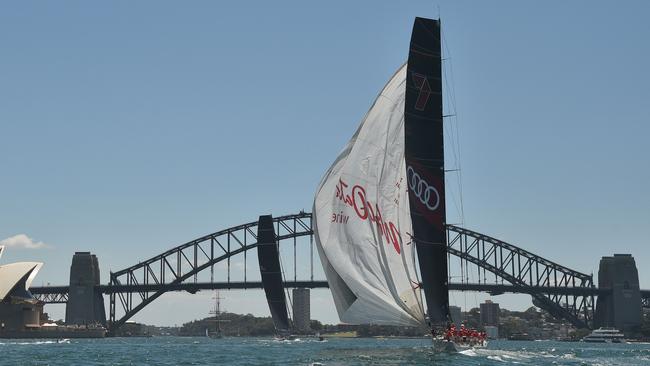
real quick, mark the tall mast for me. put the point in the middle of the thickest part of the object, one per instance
(217, 312)
(268, 256)
(425, 164)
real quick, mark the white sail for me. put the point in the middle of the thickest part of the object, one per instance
(362, 221)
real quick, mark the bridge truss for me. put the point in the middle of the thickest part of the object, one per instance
(532, 274)
(499, 267)
(51, 294)
(182, 264)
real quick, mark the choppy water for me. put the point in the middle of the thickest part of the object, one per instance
(341, 351)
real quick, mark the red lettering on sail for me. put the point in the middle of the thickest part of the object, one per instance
(365, 210)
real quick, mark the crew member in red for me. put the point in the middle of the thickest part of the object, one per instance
(463, 331)
(449, 334)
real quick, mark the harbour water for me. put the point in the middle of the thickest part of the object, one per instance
(338, 351)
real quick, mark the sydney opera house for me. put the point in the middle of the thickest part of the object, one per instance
(21, 313)
(19, 310)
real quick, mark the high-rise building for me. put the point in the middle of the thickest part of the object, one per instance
(456, 317)
(489, 313)
(301, 313)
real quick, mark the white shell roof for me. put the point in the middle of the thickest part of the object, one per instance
(11, 273)
(2, 248)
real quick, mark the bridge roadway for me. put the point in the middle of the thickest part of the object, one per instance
(563, 292)
(58, 294)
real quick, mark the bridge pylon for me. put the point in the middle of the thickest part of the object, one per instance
(85, 303)
(620, 306)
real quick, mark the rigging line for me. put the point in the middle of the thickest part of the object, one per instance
(450, 117)
(453, 100)
(284, 280)
(452, 112)
(451, 87)
(458, 147)
(286, 292)
(416, 269)
(453, 199)
(449, 131)
(467, 269)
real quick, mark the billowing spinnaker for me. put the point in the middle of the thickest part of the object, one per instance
(362, 222)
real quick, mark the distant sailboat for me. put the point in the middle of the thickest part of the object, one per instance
(217, 318)
(382, 203)
(268, 257)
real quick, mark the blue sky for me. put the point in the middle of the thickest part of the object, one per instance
(128, 128)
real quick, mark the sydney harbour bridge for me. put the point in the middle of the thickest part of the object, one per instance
(205, 263)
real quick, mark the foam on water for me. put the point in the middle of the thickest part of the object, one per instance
(496, 358)
(32, 343)
(468, 352)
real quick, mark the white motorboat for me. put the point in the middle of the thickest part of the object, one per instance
(605, 335)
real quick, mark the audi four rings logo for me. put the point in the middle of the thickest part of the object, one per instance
(427, 194)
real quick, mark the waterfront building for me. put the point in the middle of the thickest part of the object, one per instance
(19, 310)
(21, 313)
(489, 313)
(456, 317)
(492, 331)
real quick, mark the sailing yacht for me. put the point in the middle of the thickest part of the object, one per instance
(217, 318)
(380, 207)
(268, 257)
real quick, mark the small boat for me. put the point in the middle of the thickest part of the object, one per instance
(520, 337)
(605, 335)
(381, 205)
(282, 337)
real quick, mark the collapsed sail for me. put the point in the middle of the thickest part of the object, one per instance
(425, 165)
(362, 223)
(269, 260)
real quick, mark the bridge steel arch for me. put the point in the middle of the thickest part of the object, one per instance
(527, 271)
(184, 262)
(505, 262)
